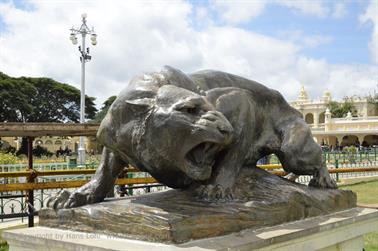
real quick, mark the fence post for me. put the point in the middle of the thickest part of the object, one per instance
(327, 157)
(2, 207)
(343, 157)
(29, 180)
(337, 166)
(360, 156)
(130, 191)
(42, 198)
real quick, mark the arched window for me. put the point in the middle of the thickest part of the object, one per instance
(48, 142)
(309, 118)
(371, 140)
(321, 118)
(350, 140)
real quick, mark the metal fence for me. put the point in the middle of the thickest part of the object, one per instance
(340, 171)
(14, 202)
(51, 178)
(351, 158)
(359, 157)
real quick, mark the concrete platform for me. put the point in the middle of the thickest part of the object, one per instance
(341, 231)
(175, 216)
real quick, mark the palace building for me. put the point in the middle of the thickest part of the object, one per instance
(360, 130)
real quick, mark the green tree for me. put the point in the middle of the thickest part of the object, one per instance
(373, 99)
(8, 158)
(57, 102)
(104, 109)
(15, 99)
(40, 100)
(40, 151)
(341, 109)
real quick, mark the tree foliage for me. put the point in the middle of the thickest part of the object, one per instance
(104, 109)
(5, 147)
(8, 158)
(373, 99)
(40, 151)
(341, 109)
(15, 97)
(27, 99)
(41, 100)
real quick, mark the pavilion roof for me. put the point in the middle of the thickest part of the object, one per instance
(11, 129)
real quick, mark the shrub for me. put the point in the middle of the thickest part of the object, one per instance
(40, 151)
(351, 152)
(7, 158)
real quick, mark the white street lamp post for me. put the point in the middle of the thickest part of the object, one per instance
(85, 57)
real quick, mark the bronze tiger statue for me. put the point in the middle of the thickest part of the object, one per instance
(197, 132)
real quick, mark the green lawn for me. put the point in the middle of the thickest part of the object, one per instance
(3, 243)
(4, 246)
(367, 193)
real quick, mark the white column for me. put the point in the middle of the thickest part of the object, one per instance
(316, 119)
(360, 138)
(340, 139)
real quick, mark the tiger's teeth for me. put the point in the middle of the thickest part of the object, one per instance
(198, 157)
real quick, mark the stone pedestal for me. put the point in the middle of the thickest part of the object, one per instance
(341, 231)
(175, 216)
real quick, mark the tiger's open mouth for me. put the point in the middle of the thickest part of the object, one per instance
(201, 158)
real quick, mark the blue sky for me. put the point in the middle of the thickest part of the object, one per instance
(347, 34)
(19, 4)
(323, 45)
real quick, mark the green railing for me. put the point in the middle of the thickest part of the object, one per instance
(45, 167)
(360, 157)
(351, 158)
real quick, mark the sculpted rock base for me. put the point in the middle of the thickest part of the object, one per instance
(175, 216)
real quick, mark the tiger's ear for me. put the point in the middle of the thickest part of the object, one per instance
(140, 105)
(178, 78)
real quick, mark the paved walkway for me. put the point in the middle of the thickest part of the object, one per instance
(10, 223)
(375, 206)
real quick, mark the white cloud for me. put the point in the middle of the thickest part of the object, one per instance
(341, 79)
(371, 15)
(304, 41)
(202, 18)
(312, 73)
(239, 11)
(315, 8)
(245, 53)
(134, 37)
(243, 11)
(339, 10)
(316, 40)
(349, 80)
